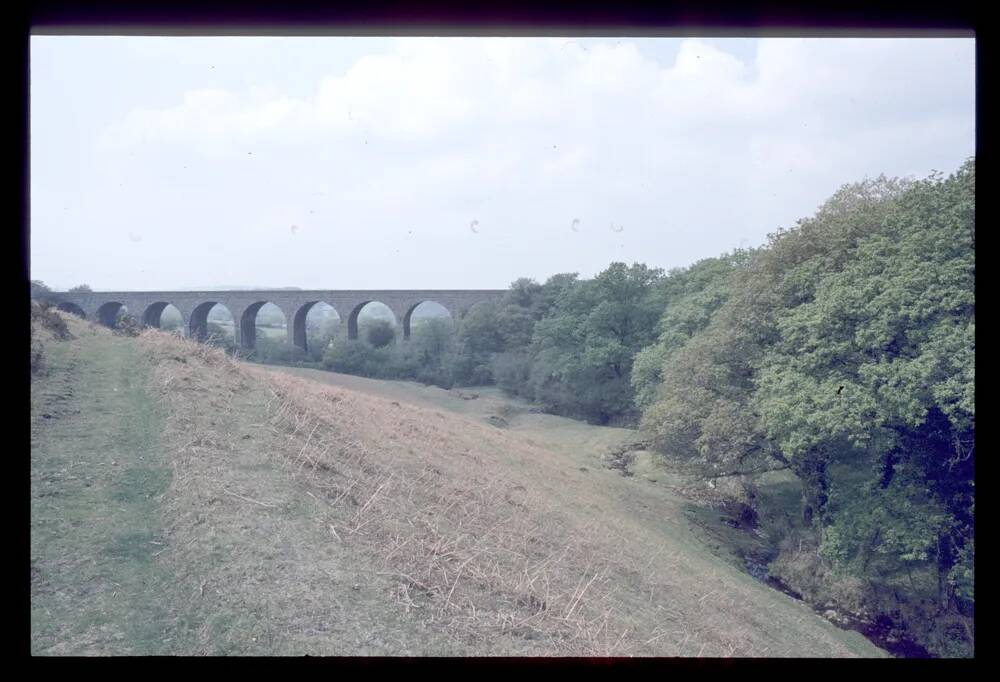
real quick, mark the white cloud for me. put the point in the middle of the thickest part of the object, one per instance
(433, 90)
(526, 134)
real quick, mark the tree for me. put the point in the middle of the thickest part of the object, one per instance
(705, 410)
(80, 288)
(380, 333)
(220, 336)
(844, 351)
(39, 290)
(431, 339)
(126, 325)
(480, 331)
(881, 362)
(585, 345)
(690, 297)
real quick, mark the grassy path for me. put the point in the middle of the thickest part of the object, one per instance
(96, 480)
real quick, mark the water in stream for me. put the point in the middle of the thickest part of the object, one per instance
(881, 631)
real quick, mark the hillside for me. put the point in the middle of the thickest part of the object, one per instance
(185, 503)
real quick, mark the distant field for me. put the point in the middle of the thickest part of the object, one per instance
(276, 333)
(488, 404)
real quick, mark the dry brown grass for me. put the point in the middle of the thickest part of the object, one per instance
(465, 530)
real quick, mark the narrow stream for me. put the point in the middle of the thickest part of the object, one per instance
(882, 631)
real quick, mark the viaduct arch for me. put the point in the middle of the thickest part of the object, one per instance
(194, 306)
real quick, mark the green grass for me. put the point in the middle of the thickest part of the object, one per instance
(96, 477)
(276, 333)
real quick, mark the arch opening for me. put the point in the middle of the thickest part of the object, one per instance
(264, 330)
(315, 325)
(212, 322)
(369, 316)
(72, 308)
(427, 317)
(165, 316)
(111, 313)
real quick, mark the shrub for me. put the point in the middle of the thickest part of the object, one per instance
(218, 336)
(434, 377)
(380, 333)
(346, 356)
(45, 314)
(37, 355)
(39, 290)
(482, 375)
(127, 325)
(512, 372)
(275, 350)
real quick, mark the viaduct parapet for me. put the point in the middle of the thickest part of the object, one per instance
(194, 306)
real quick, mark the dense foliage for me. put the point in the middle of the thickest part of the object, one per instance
(569, 344)
(426, 357)
(39, 290)
(380, 334)
(691, 295)
(845, 352)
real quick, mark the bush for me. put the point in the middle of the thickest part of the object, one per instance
(380, 333)
(482, 375)
(172, 324)
(46, 315)
(37, 355)
(512, 372)
(39, 290)
(126, 325)
(401, 361)
(319, 341)
(269, 350)
(347, 356)
(218, 336)
(434, 377)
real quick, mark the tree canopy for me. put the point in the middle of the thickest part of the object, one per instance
(848, 341)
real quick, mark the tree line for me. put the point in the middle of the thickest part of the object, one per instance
(844, 352)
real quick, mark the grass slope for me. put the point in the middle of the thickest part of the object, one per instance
(294, 517)
(97, 479)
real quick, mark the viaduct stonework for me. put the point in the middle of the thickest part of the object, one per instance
(147, 306)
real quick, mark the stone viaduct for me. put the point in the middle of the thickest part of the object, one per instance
(147, 307)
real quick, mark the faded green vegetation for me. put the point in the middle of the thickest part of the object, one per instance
(428, 356)
(844, 353)
(566, 345)
(97, 477)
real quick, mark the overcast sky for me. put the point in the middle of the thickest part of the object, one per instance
(452, 163)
